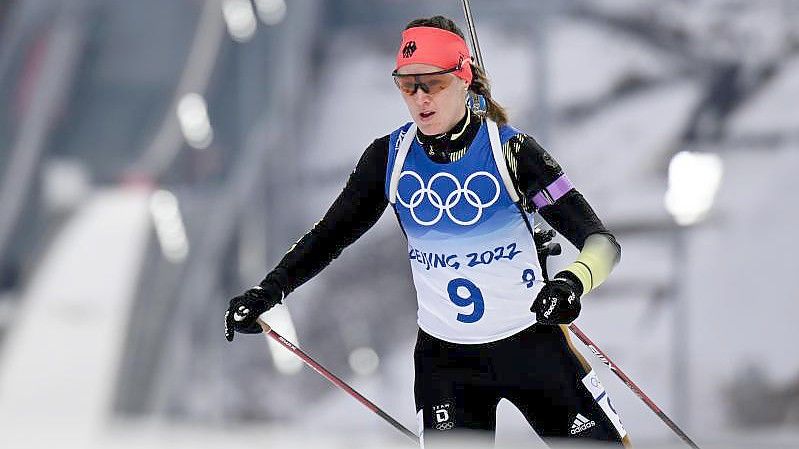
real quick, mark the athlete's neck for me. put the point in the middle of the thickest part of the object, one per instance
(457, 138)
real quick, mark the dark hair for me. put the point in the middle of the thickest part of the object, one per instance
(480, 84)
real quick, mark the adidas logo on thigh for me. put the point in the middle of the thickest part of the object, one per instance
(580, 424)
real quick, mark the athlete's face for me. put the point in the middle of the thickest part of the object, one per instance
(436, 111)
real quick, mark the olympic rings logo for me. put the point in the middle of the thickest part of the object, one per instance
(445, 426)
(452, 200)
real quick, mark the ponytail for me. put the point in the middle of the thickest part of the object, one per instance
(481, 86)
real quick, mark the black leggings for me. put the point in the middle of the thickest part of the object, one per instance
(458, 387)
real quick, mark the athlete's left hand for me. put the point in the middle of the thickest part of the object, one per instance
(559, 301)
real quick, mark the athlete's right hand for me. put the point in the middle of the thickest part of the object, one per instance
(243, 312)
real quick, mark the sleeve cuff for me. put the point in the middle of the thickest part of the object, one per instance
(570, 276)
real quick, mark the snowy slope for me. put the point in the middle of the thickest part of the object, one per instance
(61, 356)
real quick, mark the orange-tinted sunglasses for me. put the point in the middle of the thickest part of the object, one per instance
(430, 83)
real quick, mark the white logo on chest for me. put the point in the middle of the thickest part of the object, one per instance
(426, 192)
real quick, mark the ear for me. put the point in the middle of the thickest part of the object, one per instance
(464, 87)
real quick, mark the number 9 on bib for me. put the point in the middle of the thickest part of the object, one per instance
(463, 293)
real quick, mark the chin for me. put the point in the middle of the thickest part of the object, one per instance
(430, 129)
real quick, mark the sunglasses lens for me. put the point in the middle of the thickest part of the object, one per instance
(430, 84)
(406, 84)
(436, 83)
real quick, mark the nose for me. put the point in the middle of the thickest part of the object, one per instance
(420, 97)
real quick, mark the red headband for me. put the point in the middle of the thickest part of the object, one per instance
(434, 46)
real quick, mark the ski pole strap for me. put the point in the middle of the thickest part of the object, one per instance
(553, 192)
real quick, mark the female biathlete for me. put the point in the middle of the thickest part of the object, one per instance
(464, 186)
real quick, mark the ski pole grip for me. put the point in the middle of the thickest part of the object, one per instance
(262, 321)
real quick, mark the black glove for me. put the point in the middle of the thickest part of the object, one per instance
(243, 312)
(559, 301)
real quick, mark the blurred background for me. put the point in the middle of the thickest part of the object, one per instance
(159, 156)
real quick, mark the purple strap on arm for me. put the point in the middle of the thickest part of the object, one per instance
(553, 192)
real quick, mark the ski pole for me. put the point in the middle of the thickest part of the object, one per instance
(627, 381)
(553, 249)
(541, 238)
(335, 380)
